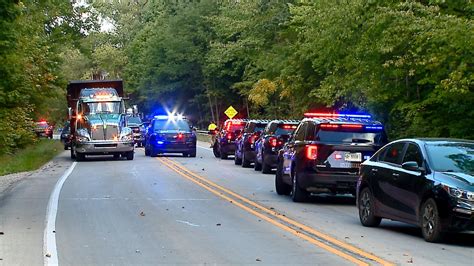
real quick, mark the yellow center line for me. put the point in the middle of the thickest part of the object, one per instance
(303, 227)
(263, 217)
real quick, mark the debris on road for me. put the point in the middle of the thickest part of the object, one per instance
(142, 213)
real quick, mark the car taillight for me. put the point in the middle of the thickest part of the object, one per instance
(273, 141)
(180, 136)
(229, 136)
(311, 152)
(251, 139)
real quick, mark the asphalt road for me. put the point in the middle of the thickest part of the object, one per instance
(174, 210)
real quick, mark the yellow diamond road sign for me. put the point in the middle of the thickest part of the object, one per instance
(230, 112)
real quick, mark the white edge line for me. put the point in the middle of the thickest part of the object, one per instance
(50, 252)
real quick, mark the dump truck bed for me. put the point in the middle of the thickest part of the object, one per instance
(74, 88)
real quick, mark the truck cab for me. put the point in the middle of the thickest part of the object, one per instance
(98, 125)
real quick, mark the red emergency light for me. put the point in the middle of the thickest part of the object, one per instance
(335, 115)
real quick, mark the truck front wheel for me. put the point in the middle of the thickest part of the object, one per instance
(73, 152)
(130, 155)
(80, 156)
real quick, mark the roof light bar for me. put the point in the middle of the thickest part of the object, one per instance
(374, 127)
(334, 115)
(358, 126)
(162, 117)
(170, 117)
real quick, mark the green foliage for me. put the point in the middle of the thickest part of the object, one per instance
(33, 35)
(410, 62)
(407, 62)
(30, 157)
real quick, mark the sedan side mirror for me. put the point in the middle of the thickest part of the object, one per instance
(411, 166)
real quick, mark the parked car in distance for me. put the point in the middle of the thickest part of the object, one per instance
(425, 182)
(224, 140)
(272, 139)
(65, 135)
(325, 153)
(245, 143)
(136, 124)
(43, 129)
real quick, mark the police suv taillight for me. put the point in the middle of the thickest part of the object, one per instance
(311, 152)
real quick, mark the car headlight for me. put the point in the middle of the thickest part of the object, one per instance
(82, 135)
(126, 134)
(459, 193)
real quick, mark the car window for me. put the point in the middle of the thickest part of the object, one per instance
(310, 131)
(163, 125)
(379, 155)
(413, 154)
(451, 156)
(394, 153)
(134, 120)
(300, 132)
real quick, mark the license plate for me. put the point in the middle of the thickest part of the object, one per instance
(353, 157)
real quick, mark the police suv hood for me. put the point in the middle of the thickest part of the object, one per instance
(457, 179)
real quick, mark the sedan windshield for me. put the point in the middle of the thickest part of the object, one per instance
(452, 157)
(178, 125)
(134, 120)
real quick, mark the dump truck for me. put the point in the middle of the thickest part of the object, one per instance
(96, 110)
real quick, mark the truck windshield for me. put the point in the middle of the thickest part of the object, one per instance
(101, 107)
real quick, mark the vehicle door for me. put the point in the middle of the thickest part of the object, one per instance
(408, 183)
(387, 170)
(295, 143)
(260, 143)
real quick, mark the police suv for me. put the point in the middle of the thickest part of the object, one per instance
(325, 153)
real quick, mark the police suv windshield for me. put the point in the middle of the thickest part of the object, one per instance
(169, 125)
(285, 129)
(350, 137)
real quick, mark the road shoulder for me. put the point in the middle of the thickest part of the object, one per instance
(23, 203)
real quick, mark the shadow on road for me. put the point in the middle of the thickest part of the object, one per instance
(328, 199)
(465, 239)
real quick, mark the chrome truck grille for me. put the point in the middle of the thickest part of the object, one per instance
(98, 132)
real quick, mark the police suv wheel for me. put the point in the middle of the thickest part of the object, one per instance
(297, 193)
(266, 169)
(237, 160)
(215, 150)
(280, 186)
(245, 162)
(257, 166)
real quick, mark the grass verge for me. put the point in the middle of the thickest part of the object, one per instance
(203, 137)
(31, 157)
